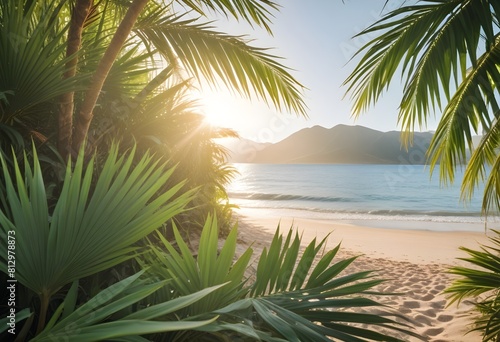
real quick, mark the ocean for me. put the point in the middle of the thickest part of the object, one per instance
(389, 196)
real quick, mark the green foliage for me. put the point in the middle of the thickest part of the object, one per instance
(448, 53)
(31, 62)
(90, 321)
(293, 291)
(93, 226)
(98, 224)
(253, 11)
(480, 283)
(216, 57)
(209, 267)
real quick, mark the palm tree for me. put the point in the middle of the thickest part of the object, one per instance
(84, 52)
(448, 53)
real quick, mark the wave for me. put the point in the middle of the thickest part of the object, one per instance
(285, 197)
(377, 215)
(372, 215)
(398, 212)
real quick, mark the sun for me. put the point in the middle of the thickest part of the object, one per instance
(216, 112)
(222, 109)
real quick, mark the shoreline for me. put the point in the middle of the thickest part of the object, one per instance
(414, 261)
(414, 245)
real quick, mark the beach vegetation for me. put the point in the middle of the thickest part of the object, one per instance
(479, 283)
(93, 226)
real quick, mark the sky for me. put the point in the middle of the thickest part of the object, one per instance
(315, 38)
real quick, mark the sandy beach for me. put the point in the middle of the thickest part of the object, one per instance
(414, 260)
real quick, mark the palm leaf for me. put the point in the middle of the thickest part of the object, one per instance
(253, 11)
(436, 44)
(293, 300)
(468, 109)
(91, 228)
(32, 60)
(215, 57)
(422, 40)
(209, 268)
(88, 322)
(480, 283)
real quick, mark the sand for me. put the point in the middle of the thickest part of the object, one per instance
(415, 261)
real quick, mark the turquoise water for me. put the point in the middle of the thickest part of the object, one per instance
(353, 193)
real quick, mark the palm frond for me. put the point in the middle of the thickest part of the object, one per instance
(214, 56)
(480, 283)
(209, 267)
(422, 40)
(89, 321)
(252, 11)
(468, 110)
(485, 160)
(294, 291)
(32, 60)
(98, 225)
(290, 299)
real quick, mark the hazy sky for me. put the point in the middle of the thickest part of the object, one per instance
(315, 38)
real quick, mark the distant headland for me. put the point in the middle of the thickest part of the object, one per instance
(341, 144)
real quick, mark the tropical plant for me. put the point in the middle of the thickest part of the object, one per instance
(479, 283)
(448, 53)
(90, 321)
(296, 295)
(93, 226)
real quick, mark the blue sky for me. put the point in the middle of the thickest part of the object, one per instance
(315, 39)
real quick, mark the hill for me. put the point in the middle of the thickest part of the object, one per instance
(341, 144)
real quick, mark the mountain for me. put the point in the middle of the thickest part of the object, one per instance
(341, 144)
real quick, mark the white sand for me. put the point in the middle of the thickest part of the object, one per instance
(415, 260)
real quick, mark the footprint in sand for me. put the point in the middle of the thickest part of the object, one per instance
(429, 312)
(411, 304)
(434, 331)
(445, 318)
(439, 305)
(404, 310)
(423, 319)
(427, 297)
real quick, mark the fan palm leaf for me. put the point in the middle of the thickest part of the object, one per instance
(31, 62)
(89, 322)
(92, 228)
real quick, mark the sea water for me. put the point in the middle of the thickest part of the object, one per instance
(402, 196)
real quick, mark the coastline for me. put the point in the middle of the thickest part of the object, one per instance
(414, 261)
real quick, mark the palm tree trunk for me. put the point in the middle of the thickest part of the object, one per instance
(78, 17)
(86, 111)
